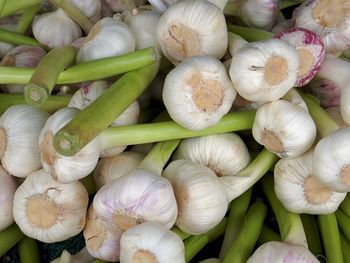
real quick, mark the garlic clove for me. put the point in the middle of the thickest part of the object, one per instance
(192, 28)
(20, 126)
(8, 187)
(198, 92)
(50, 211)
(326, 91)
(264, 70)
(334, 112)
(151, 242)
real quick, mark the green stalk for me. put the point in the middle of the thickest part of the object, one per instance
(239, 207)
(18, 39)
(26, 19)
(45, 76)
(267, 235)
(2, 5)
(345, 205)
(312, 234)
(89, 122)
(345, 248)
(75, 14)
(11, 7)
(9, 237)
(89, 184)
(29, 251)
(249, 34)
(242, 247)
(53, 104)
(330, 237)
(343, 223)
(232, 8)
(98, 261)
(290, 225)
(91, 70)
(194, 244)
(180, 233)
(288, 3)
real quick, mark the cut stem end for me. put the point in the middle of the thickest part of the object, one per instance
(36, 94)
(66, 144)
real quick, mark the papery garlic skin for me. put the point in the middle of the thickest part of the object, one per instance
(91, 8)
(201, 199)
(151, 242)
(225, 154)
(300, 191)
(281, 252)
(112, 168)
(20, 126)
(198, 92)
(334, 112)
(331, 160)
(55, 29)
(264, 70)
(326, 91)
(109, 37)
(120, 5)
(284, 128)
(50, 211)
(8, 187)
(192, 28)
(66, 169)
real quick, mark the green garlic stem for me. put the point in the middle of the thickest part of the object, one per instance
(243, 245)
(248, 33)
(74, 13)
(343, 223)
(238, 209)
(345, 245)
(2, 5)
(29, 251)
(330, 237)
(288, 3)
(89, 184)
(11, 7)
(9, 237)
(232, 8)
(18, 39)
(46, 73)
(26, 19)
(98, 261)
(345, 205)
(267, 235)
(180, 233)
(312, 234)
(290, 225)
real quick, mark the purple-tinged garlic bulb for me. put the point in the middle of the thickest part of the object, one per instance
(326, 91)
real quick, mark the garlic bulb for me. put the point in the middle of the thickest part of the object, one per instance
(282, 252)
(4, 47)
(151, 242)
(63, 168)
(264, 70)
(91, 8)
(55, 29)
(284, 128)
(300, 191)
(235, 42)
(64, 205)
(20, 126)
(120, 5)
(282, 26)
(191, 28)
(162, 5)
(310, 50)
(331, 160)
(112, 168)
(225, 154)
(109, 37)
(326, 91)
(7, 191)
(201, 199)
(198, 92)
(334, 112)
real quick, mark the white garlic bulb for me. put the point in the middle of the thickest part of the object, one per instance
(264, 70)
(300, 191)
(109, 37)
(50, 211)
(201, 199)
(112, 168)
(4, 47)
(91, 8)
(235, 42)
(66, 169)
(8, 187)
(192, 28)
(151, 242)
(55, 29)
(225, 154)
(284, 128)
(20, 126)
(198, 92)
(162, 5)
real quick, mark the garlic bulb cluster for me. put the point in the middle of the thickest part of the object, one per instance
(192, 28)
(225, 154)
(201, 199)
(151, 242)
(300, 191)
(264, 70)
(20, 126)
(65, 208)
(55, 29)
(8, 187)
(4, 47)
(284, 128)
(66, 169)
(91, 8)
(326, 91)
(198, 92)
(109, 37)
(121, 5)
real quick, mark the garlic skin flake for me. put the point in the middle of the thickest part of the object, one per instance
(151, 242)
(109, 37)
(50, 211)
(8, 187)
(284, 128)
(225, 154)
(198, 92)
(192, 28)
(264, 70)
(20, 126)
(300, 191)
